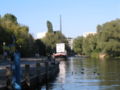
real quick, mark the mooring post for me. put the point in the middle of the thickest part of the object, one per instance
(46, 69)
(38, 80)
(27, 74)
(16, 71)
(38, 69)
(8, 75)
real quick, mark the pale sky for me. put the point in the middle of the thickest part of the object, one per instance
(78, 16)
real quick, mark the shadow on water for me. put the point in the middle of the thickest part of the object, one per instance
(48, 86)
(79, 73)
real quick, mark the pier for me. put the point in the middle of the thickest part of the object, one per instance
(33, 74)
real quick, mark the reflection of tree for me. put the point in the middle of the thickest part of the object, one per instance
(110, 72)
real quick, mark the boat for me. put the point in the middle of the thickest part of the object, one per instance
(61, 53)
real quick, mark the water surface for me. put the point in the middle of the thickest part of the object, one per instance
(79, 73)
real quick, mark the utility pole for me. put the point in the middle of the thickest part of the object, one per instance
(60, 23)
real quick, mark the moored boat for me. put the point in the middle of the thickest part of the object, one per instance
(61, 53)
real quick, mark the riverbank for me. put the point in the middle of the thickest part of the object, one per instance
(102, 56)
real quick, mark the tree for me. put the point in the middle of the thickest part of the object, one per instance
(51, 39)
(99, 28)
(78, 45)
(10, 18)
(109, 38)
(89, 44)
(39, 47)
(10, 27)
(49, 26)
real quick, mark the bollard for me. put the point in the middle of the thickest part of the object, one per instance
(15, 67)
(27, 74)
(8, 75)
(38, 69)
(46, 75)
(17, 71)
(38, 80)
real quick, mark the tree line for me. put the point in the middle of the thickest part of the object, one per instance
(25, 43)
(106, 41)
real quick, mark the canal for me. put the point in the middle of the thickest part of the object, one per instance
(79, 73)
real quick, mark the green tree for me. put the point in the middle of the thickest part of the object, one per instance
(51, 39)
(10, 18)
(99, 28)
(49, 26)
(89, 44)
(109, 38)
(10, 27)
(39, 47)
(78, 45)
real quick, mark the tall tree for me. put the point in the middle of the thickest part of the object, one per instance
(49, 26)
(10, 17)
(78, 45)
(109, 38)
(88, 44)
(10, 27)
(51, 39)
(39, 47)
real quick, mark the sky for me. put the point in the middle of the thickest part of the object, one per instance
(78, 16)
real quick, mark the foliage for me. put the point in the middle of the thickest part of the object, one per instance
(109, 38)
(89, 44)
(10, 18)
(106, 40)
(51, 39)
(39, 47)
(9, 27)
(25, 43)
(49, 26)
(94, 55)
(77, 45)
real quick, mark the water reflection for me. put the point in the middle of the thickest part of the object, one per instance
(79, 73)
(62, 72)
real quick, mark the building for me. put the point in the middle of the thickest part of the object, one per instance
(88, 33)
(70, 42)
(40, 35)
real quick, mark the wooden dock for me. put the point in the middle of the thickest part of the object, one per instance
(33, 76)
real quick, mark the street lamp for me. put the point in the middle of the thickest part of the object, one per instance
(4, 53)
(3, 43)
(20, 46)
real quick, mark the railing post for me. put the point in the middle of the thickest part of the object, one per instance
(46, 75)
(38, 69)
(8, 75)
(27, 74)
(15, 67)
(17, 71)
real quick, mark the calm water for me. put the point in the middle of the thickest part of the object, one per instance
(87, 74)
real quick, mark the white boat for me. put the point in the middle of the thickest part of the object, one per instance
(60, 51)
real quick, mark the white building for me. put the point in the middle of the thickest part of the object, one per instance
(70, 42)
(40, 35)
(88, 33)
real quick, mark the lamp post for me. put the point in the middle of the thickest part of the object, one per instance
(4, 43)
(4, 53)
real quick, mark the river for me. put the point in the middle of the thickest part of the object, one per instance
(79, 73)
